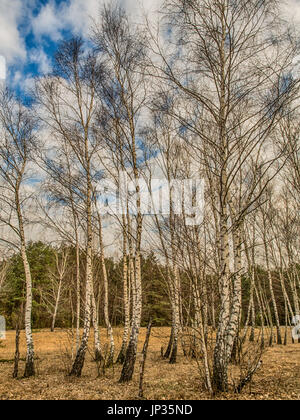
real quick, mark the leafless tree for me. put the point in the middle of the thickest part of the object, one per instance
(120, 44)
(18, 130)
(69, 102)
(232, 78)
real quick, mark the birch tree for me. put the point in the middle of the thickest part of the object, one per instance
(69, 101)
(18, 130)
(3, 270)
(230, 62)
(60, 182)
(57, 278)
(120, 44)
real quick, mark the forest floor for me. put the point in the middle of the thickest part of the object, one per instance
(277, 378)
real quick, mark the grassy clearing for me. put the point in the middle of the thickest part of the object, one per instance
(278, 378)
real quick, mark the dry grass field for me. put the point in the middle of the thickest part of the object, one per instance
(278, 377)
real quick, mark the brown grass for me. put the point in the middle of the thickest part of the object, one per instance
(278, 378)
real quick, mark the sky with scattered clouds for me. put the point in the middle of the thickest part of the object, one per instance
(31, 29)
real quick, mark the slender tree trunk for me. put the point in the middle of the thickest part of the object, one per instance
(130, 358)
(262, 316)
(170, 343)
(220, 369)
(233, 330)
(56, 304)
(95, 323)
(17, 351)
(111, 352)
(176, 319)
(80, 355)
(279, 340)
(143, 360)
(252, 332)
(203, 346)
(294, 292)
(78, 294)
(121, 356)
(29, 365)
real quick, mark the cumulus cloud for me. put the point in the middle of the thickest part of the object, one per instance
(80, 13)
(2, 67)
(19, 80)
(74, 16)
(136, 8)
(51, 20)
(48, 22)
(12, 45)
(38, 56)
(291, 10)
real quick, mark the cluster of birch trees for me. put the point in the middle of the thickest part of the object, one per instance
(207, 93)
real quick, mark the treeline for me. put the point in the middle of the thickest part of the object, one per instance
(44, 261)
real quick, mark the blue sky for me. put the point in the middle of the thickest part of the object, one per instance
(40, 51)
(30, 31)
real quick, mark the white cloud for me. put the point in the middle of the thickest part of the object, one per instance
(2, 67)
(79, 14)
(48, 22)
(38, 56)
(52, 19)
(74, 16)
(11, 43)
(137, 7)
(19, 80)
(291, 10)
(28, 84)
